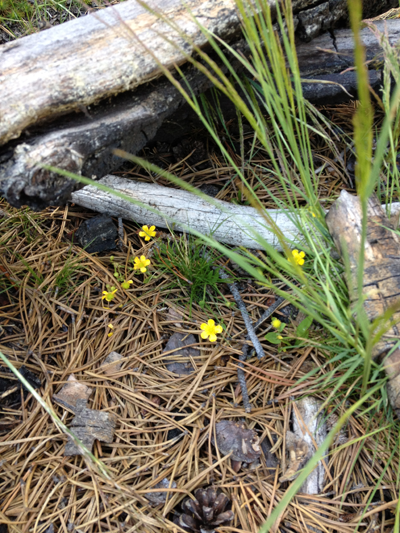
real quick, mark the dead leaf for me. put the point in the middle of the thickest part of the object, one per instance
(234, 437)
(71, 392)
(178, 360)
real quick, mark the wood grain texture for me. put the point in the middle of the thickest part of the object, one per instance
(110, 51)
(227, 222)
(75, 92)
(381, 282)
(84, 144)
(309, 425)
(106, 53)
(325, 55)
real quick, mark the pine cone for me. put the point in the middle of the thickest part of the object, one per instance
(206, 511)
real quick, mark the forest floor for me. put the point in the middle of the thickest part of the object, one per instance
(54, 323)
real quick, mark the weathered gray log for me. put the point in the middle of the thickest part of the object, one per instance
(109, 52)
(226, 221)
(185, 209)
(61, 73)
(381, 280)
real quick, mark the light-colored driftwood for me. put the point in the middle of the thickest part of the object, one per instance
(381, 281)
(226, 222)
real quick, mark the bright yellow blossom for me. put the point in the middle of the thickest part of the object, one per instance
(297, 257)
(210, 330)
(279, 337)
(111, 332)
(276, 323)
(126, 284)
(109, 295)
(141, 264)
(147, 232)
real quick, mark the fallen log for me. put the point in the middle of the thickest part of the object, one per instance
(381, 281)
(227, 222)
(67, 92)
(111, 51)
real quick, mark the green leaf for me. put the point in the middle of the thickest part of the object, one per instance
(303, 327)
(273, 337)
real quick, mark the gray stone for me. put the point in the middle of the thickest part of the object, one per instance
(97, 234)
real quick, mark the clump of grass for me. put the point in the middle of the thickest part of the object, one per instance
(193, 265)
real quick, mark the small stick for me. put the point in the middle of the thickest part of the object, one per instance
(120, 234)
(251, 336)
(249, 326)
(243, 356)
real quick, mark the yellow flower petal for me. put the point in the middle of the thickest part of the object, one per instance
(204, 335)
(213, 337)
(276, 323)
(203, 326)
(211, 322)
(143, 270)
(218, 329)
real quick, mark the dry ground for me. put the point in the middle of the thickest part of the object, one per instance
(53, 321)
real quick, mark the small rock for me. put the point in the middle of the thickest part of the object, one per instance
(157, 498)
(90, 425)
(174, 315)
(112, 363)
(178, 351)
(71, 392)
(97, 234)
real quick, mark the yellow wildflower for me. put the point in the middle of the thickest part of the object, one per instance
(109, 295)
(210, 330)
(141, 263)
(276, 323)
(297, 257)
(147, 232)
(111, 332)
(279, 337)
(126, 284)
